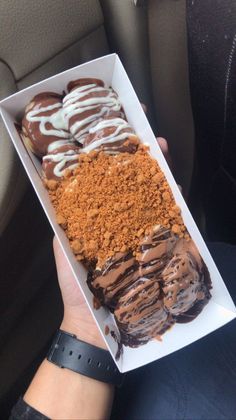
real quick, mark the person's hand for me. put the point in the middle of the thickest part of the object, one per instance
(165, 149)
(77, 317)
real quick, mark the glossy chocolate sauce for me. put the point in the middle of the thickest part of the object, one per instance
(112, 135)
(166, 282)
(44, 122)
(90, 114)
(88, 103)
(61, 155)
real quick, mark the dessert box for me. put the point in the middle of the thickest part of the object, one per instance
(220, 308)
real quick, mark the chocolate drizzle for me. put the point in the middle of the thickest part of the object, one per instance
(61, 155)
(140, 314)
(120, 347)
(112, 135)
(90, 114)
(44, 122)
(88, 103)
(110, 282)
(155, 251)
(166, 282)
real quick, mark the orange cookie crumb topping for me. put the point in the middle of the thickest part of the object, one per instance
(109, 202)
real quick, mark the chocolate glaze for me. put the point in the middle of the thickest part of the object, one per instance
(140, 314)
(83, 82)
(155, 251)
(90, 114)
(87, 103)
(181, 283)
(45, 95)
(120, 346)
(43, 122)
(64, 155)
(112, 135)
(109, 283)
(166, 282)
(195, 310)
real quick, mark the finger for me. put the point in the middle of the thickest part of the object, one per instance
(71, 293)
(61, 261)
(165, 150)
(58, 254)
(163, 145)
(144, 107)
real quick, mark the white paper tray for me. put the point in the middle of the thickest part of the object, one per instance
(220, 309)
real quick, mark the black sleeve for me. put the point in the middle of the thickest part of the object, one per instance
(23, 411)
(212, 71)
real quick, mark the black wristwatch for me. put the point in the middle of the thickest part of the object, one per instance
(69, 352)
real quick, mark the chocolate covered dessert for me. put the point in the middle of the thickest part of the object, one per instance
(117, 210)
(61, 155)
(89, 116)
(87, 103)
(112, 135)
(43, 122)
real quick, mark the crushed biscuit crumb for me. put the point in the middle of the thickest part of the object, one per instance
(108, 203)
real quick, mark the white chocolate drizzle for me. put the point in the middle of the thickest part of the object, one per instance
(61, 160)
(56, 119)
(57, 144)
(74, 103)
(118, 123)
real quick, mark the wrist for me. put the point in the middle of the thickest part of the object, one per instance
(82, 329)
(62, 393)
(68, 351)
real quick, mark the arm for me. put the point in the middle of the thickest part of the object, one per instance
(61, 393)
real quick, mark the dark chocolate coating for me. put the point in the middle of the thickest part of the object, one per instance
(61, 158)
(166, 282)
(127, 145)
(83, 82)
(110, 282)
(82, 115)
(140, 314)
(33, 130)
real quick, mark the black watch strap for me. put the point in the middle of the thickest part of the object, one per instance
(69, 352)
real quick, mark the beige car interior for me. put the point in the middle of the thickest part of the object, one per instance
(39, 39)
